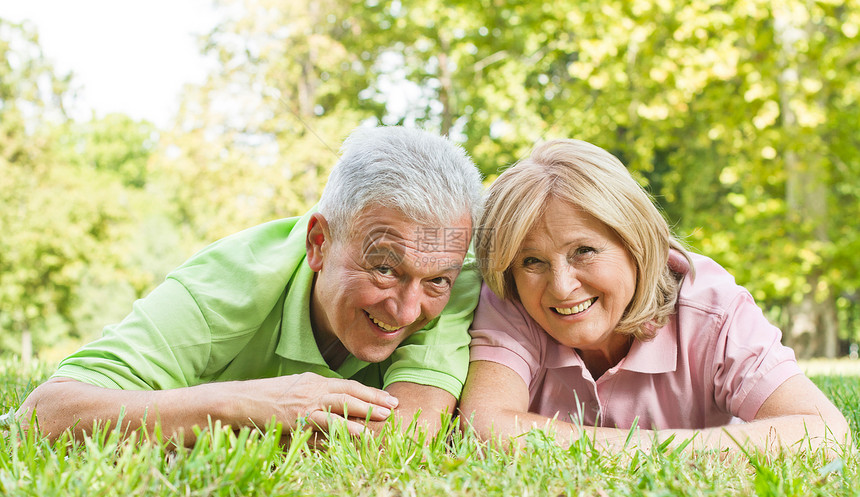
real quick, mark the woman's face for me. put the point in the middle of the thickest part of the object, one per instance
(575, 278)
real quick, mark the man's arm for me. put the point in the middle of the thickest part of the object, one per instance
(64, 403)
(796, 415)
(431, 402)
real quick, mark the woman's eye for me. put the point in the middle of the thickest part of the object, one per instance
(530, 261)
(582, 254)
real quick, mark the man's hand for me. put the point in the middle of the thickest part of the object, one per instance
(64, 403)
(321, 402)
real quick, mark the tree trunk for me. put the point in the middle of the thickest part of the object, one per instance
(26, 348)
(813, 327)
(308, 86)
(445, 87)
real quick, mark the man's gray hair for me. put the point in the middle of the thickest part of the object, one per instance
(423, 175)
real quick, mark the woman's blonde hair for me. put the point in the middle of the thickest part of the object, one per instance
(593, 180)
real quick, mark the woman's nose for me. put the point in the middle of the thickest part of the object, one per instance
(563, 282)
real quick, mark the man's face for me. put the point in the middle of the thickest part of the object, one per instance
(388, 279)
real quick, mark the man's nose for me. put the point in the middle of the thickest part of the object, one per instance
(406, 303)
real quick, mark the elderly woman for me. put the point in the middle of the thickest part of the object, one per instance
(593, 317)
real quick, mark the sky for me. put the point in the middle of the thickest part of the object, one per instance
(128, 56)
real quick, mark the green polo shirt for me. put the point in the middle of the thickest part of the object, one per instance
(240, 309)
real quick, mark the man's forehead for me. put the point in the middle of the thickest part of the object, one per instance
(429, 250)
(442, 239)
(416, 238)
(379, 227)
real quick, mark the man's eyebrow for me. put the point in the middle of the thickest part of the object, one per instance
(455, 267)
(381, 252)
(382, 232)
(377, 244)
(383, 246)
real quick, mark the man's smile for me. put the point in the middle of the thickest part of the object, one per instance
(385, 327)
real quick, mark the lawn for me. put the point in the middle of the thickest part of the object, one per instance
(250, 463)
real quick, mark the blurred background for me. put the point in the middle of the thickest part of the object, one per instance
(742, 118)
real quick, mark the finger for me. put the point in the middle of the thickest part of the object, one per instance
(327, 421)
(314, 440)
(365, 393)
(347, 405)
(317, 440)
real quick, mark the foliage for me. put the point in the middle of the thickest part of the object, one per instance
(224, 462)
(739, 116)
(734, 113)
(58, 218)
(257, 140)
(115, 144)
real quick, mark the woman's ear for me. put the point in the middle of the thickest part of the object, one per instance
(317, 241)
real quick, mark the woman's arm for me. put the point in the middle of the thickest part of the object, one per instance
(797, 415)
(495, 404)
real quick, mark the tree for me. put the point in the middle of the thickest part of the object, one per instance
(61, 215)
(739, 115)
(257, 140)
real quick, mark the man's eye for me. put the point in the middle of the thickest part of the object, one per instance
(441, 281)
(384, 270)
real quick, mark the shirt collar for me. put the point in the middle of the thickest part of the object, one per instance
(658, 355)
(296, 341)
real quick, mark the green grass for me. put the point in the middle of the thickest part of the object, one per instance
(453, 463)
(844, 391)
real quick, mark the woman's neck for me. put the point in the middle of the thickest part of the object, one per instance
(599, 361)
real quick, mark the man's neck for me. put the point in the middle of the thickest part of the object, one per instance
(332, 350)
(334, 354)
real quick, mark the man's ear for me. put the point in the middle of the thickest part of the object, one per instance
(318, 240)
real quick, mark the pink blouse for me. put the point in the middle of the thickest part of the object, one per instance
(718, 358)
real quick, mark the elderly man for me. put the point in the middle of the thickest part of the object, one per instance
(303, 318)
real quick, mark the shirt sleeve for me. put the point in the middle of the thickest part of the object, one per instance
(195, 323)
(503, 333)
(135, 354)
(750, 362)
(438, 354)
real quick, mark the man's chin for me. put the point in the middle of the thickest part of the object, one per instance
(383, 346)
(374, 354)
